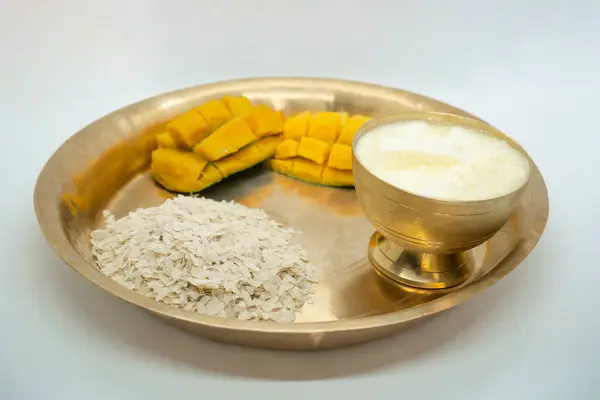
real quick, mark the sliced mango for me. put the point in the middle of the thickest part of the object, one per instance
(314, 150)
(350, 127)
(237, 105)
(287, 149)
(226, 140)
(307, 170)
(296, 126)
(264, 121)
(209, 177)
(189, 128)
(268, 144)
(336, 177)
(183, 165)
(285, 167)
(165, 139)
(230, 135)
(248, 156)
(226, 136)
(325, 126)
(214, 112)
(241, 160)
(327, 142)
(340, 157)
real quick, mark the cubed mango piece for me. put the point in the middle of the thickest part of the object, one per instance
(182, 165)
(211, 174)
(264, 121)
(336, 177)
(209, 177)
(296, 126)
(237, 105)
(325, 126)
(285, 167)
(189, 128)
(240, 160)
(165, 139)
(340, 157)
(350, 127)
(214, 112)
(226, 140)
(268, 144)
(314, 150)
(307, 170)
(287, 149)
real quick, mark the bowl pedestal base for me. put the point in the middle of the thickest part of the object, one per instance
(418, 269)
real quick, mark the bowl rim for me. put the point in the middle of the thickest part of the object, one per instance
(451, 120)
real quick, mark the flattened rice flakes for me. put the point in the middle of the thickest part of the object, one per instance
(215, 258)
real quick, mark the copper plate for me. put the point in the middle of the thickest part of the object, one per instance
(104, 166)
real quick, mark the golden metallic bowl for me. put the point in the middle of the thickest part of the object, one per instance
(105, 166)
(423, 241)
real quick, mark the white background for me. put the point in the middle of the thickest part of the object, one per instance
(530, 67)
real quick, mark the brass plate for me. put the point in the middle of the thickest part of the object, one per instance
(105, 166)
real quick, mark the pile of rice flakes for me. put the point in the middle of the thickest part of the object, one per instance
(214, 258)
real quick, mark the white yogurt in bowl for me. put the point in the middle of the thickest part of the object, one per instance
(444, 162)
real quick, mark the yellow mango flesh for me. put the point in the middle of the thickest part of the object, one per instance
(189, 128)
(325, 126)
(209, 177)
(214, 112)
(336, 177)
(165, 139)
(268, 144)
(180, 164)
(222, 139)
(230, 135)
(350, 127)
(264, 121)
(239, 161)
(296, 126)
(303, 155)
(287, 149)
(340, 157)
(226, 140)
(314, 150)
(249, 156)
(285, 167)
(307, 170)
(237, 105)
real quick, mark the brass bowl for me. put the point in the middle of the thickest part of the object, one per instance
(421, 241)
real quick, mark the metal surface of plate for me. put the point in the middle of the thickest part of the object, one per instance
(104, 166)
